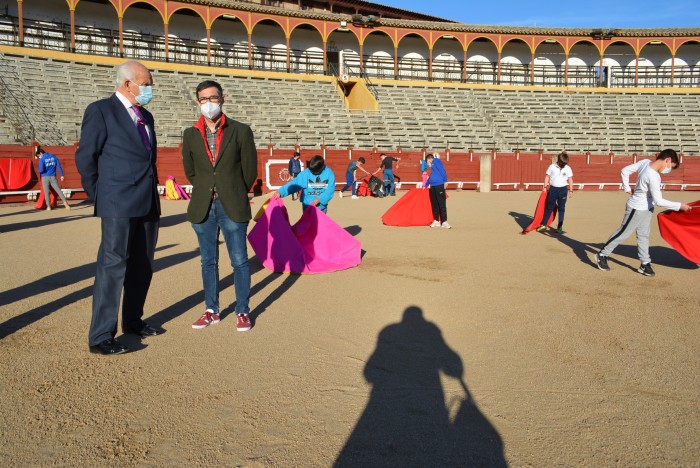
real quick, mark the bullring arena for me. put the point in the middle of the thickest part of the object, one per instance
(474, 346)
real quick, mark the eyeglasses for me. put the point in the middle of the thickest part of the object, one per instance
(214, 99)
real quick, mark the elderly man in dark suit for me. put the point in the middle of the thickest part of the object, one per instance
(117, 164)
(221, 162)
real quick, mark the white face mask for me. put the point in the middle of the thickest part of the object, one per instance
(210, 110)
(666, 170)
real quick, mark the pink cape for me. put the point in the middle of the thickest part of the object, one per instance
(681, 229)
(539, 214)
(315, 244)
(412, 209)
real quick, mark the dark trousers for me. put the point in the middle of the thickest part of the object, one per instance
(556, 197)
(124, 261)
(438, 201)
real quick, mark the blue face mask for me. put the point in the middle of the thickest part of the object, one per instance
(145, 95)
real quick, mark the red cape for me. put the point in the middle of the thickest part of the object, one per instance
(41, 199)
(412, 209)
(681, 229)
(15, 173)
(539, 214)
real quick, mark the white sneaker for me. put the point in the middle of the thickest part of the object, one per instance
(48, 208)
(446, 225)
(340, 194)
(355, 197)
(436, 223)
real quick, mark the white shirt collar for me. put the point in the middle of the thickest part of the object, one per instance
(123, 100)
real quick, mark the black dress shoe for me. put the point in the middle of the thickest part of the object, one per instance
(145, 331)
(108, 347)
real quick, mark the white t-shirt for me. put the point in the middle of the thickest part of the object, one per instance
(559, 176)
(647, 191)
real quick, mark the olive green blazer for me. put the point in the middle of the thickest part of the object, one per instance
(232, 176)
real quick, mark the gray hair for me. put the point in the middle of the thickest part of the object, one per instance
(125, 71)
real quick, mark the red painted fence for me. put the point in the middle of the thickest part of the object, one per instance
(509, 171)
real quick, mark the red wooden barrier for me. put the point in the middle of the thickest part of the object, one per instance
(510, 171)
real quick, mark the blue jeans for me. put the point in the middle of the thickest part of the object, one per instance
(349, 182)
(556, 197)
(389, 175)
(235, 237)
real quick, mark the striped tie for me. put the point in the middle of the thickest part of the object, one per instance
(141, 127)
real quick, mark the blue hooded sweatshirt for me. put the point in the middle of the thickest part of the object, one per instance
(438, 176)
(48, 165)
(320, 186)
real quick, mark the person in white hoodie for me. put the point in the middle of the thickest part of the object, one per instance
(640, 207)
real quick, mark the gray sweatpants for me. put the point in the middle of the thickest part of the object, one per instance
(634, 220)
(51, 180)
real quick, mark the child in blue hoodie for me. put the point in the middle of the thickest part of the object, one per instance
(438, 197)
(48, 164)
(316, 182)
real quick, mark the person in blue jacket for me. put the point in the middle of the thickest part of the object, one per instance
(48, 164)
(316, 182)
(294, 168)
(438, 197)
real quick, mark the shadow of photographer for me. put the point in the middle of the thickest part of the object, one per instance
(406, 421)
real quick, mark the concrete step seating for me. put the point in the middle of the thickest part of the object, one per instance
(290, 111)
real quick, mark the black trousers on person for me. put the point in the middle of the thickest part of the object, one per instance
(124, 262)
(438, 201)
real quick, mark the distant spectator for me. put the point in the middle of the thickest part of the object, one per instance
(295, 169)
(387, 166)
(316, 182)
(438, 196)
(48, 164)
(351, 176)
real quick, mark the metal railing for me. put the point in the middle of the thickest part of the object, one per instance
(105, 41)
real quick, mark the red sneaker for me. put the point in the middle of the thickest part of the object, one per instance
(242, 322)
(207, 318)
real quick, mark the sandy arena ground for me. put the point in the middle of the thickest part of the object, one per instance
(564, 365)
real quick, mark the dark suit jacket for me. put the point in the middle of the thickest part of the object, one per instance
(233, 175)
(115, 168)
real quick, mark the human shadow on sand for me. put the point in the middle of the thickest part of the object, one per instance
(660, 255)
(288, 281)
(406, 422)
(521, 219)
(64, 217)
(63, 279)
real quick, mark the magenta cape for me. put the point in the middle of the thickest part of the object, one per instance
(539, 214)
(315, 244)
(412, 209)
(681, 229)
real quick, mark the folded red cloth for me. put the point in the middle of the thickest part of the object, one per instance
(539, 214)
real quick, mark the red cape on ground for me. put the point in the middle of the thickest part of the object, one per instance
(412, 209)
(681, 229)
(539, 214)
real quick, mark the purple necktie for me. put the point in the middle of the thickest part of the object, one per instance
(141, 127)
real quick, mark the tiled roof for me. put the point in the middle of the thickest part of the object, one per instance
(454, 27)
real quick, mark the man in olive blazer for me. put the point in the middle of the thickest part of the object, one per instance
(221, 163)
